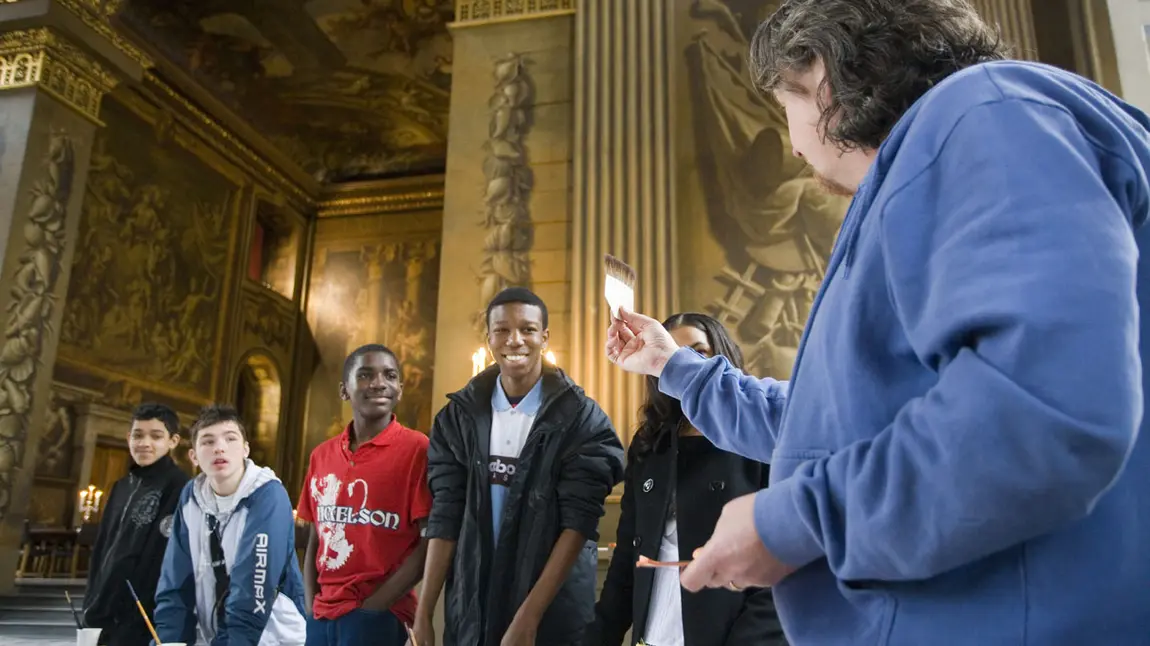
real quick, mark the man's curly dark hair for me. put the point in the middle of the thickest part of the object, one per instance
(880, 56)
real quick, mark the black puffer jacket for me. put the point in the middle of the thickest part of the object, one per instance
(570, 463)
(130, 544)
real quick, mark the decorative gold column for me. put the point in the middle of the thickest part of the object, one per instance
(622, 193)
(1016, 22)
(507, 189)
(50, 93)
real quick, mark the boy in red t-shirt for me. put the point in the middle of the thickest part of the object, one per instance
(367, 499)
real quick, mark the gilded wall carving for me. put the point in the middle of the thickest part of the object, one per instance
(29, 310)
(764, 208)
(268, 318)
(506, 168)
(377, 292)
(490, 10)
(348, 90)
(55, 454)
(152, 259)
(42, 58)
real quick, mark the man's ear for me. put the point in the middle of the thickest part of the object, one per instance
(192, 457)
(173, 441)
(343, 394)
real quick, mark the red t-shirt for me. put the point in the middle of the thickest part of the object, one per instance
(365, 506)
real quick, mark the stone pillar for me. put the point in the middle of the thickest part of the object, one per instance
(622, 193)
(507, 193)
(51, 86)
(1015, 19)
(1129, 20)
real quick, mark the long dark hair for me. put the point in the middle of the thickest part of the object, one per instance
(662, 416)
(880, 56)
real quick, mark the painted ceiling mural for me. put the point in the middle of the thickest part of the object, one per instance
(349, 89)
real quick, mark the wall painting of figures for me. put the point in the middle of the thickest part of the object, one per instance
(152, 260)
(348, 89)
(753, 218)
(372, 291)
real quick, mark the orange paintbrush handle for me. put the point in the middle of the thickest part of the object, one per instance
(144, 613)
(151, 628)
(646, 562)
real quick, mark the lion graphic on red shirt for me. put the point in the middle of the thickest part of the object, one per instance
(332, 539)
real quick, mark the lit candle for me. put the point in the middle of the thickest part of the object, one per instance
(478, 361)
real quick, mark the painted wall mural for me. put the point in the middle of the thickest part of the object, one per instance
(152, 259)
(773, 224)
(349, 89)
(378, 292)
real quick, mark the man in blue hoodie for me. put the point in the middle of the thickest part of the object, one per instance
(956, 458)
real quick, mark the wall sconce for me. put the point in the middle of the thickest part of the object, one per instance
(550, 357)
(90, 502)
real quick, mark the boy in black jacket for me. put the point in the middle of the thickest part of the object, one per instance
(134, 530)
(520, 463)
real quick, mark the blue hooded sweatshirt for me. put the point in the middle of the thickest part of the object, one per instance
(956, 459)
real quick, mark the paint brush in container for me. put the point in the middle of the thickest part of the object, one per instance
(619, 285)
(75, 615)
(144, 614)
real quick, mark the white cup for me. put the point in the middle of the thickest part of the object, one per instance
(87, 636)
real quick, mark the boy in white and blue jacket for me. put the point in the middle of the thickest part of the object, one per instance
(230, 566)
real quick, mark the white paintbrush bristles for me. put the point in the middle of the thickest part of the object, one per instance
(619, 285)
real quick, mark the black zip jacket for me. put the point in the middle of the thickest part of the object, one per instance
(696, 479)
(570, 463)
(130, 546)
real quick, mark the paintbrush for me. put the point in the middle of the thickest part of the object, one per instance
(75, 615)
(619, 285)
(151, 628)
(646, 562)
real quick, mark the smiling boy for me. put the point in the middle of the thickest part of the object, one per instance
(230, 567)
(134, 532)
(366, 497)
(520, 463)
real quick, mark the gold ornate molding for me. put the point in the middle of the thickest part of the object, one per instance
(393, 203)
(42, 58)
(95, 14)
(212, 131)
(470, 13)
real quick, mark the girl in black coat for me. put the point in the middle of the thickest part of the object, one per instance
(675, 474)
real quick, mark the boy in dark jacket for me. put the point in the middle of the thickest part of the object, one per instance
(519, 465)
(134, 530)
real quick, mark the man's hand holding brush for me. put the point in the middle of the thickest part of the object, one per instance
(735, 557)
(639, 344)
